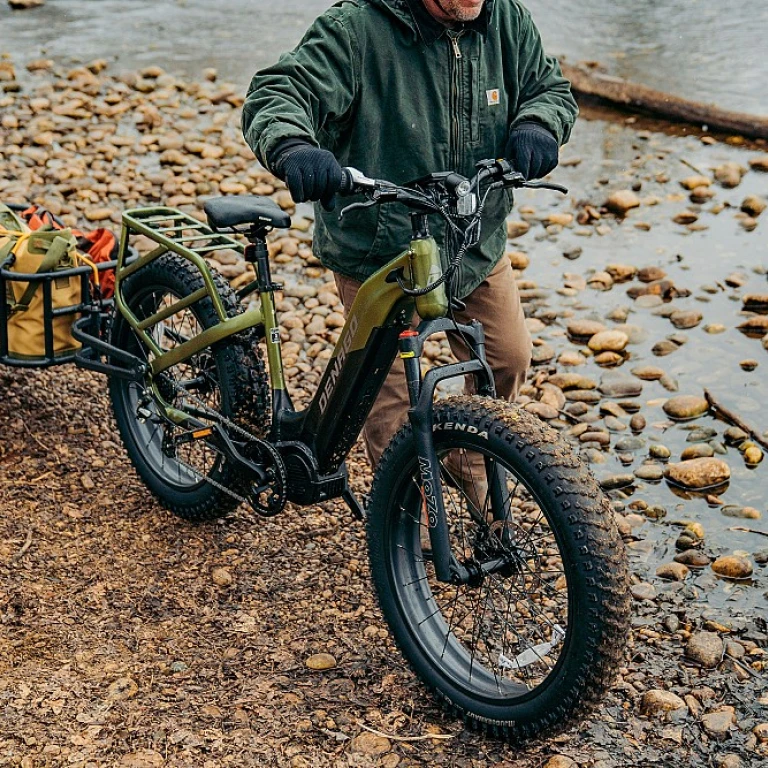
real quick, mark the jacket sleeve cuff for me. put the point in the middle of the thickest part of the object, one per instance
(272, 138)
(540, 118)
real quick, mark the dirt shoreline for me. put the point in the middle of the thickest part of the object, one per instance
(124, 643)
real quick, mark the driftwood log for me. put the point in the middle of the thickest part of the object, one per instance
(627, 95)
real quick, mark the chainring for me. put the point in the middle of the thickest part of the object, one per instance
(270, 500)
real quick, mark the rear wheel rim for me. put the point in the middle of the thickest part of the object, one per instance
(182, 467)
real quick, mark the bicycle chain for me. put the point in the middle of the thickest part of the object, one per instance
(278, 486)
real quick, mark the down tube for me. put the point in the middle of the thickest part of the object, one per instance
(359, 365)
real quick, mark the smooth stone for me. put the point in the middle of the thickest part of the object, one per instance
(567, 381)
(608, 359)
(621, 272)
(647, 373)
(612, 408)
(630, 443)
(622, 201)
(753, 455)
(717, 725)
(655, 512)
(614, 482)
(705, 648)
(748, 365)
(686, 318)
(701, 434)
(583, 396)
(693, 558)
(660, 452)
(753, 205)
(615, 384)
(734, 435)
(584, 329)
(637, 423)
(614, 424)
(649, 472)
(669, 383)
(691, 182)
(672, 571)
(643, 592)
(517, 229)
(221, 577)
(608, 341)
(698, 473)
(755, 302)
(321, 661)
(741, 513)
(648, 301)
(541, 354)
(542, 410)
(698, 451)
(685, 407)
(664, 347)
(732, 567)
(657, 701)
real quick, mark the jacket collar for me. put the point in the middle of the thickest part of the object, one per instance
(422, 23)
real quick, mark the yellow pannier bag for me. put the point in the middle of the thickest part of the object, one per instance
(27, 252)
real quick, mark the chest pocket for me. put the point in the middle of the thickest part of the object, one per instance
(488, 123)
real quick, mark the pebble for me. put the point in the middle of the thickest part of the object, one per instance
(730, 760)
(717, 725)
(613, 482)
(686, 318)
(701, 450)
(753, 205)
(693, 558)
(664, 348)
(320, 661)
(651, 274)
(741, 513)
(761, 731)
(734, 435)
(732, 567)
(517, 229)
(673, 571)
(649, 472)
(608, 341)
(657, 701)
(616, 384)
(647, 372)
(637, 423)
(221, 577)
(560, 761)
(371, 744)
(729, 174)
(659, 452)
(622, 201)
(621, 272)
(684, 407)
(628, 443)
(755, 302)
(753, 455)
(705, 648)
(643, 592)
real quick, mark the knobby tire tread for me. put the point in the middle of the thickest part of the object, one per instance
(589, 517)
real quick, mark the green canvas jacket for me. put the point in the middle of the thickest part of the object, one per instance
(395, 94)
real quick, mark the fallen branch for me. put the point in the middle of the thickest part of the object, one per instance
(742, 529)
(389, 736)
(623, 93)
(25, 547)
(734, 419)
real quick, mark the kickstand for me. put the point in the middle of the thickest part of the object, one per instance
(355, 506)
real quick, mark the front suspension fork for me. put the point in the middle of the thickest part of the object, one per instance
(421, 391)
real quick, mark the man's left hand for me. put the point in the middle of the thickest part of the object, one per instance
(532, 149)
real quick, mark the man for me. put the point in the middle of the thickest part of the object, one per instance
(400, 89)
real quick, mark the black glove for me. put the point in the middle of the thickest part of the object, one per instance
(532, 149)
(309, 172)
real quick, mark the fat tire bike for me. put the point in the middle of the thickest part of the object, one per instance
(495, 556)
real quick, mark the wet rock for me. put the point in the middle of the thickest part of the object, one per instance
(649, 472)
(732, 567)
(600, 281)
(699, 451)
(664, 347)
(672, 571)
(669, 383)
(560, 761)
(651, 274)
(729, 175)
(753, 455)
(542, 353)
(614, 425)
(647, 372)
(320, 661)
(660, 452)
(759, 163)
(567, 381)
(608, 341)
(542, 410)
(705, 648)
(630, 444)
(748, 222)
(717, 725)
(613, 482)
(698, 474)
(684, 407)
(753, 205)
(20, 5)
(741, 513)
(728, 761)
(608, 359)
(657, 701)
(756, 325)
(637, 423)
(748, 365)
(693, 558)
(761, 731)
(686, 318)
(622, 201)
(701, 195)
(519, 260)
(734, 435)
(643, 592)
(615, 384)
(655, 512)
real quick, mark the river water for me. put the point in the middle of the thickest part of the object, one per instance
(707, 50)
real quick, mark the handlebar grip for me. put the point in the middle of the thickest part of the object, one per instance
(347, 185)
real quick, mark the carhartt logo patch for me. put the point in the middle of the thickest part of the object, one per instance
(494, 97)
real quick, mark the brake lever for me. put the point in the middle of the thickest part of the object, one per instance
(357, 206)
(546, 185)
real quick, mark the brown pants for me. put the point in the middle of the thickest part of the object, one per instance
(496, 304)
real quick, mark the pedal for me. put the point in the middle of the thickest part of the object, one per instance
(354, 505)
(143, 414)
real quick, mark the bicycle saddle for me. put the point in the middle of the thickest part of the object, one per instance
(227, 212)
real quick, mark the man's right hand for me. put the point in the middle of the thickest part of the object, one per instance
(310, 173)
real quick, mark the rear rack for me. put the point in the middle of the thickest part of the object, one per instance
(177, 232)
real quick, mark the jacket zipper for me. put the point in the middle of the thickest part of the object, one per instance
(455, 117)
